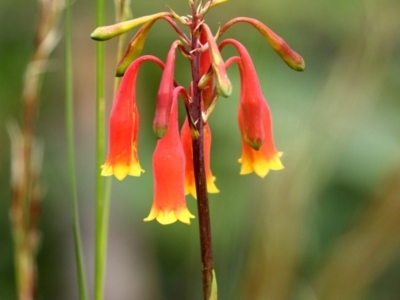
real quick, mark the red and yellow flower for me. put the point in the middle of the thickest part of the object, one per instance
(122, 158)
(169, 204)
(266, 157)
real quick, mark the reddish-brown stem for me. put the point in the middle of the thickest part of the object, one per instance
(199, 169)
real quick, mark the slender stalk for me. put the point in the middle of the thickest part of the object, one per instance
(71, 155)
(199, 169)
(102, 206)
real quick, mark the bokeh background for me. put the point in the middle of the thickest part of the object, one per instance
(326, 227)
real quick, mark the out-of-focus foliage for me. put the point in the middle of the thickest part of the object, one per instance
(326, 227)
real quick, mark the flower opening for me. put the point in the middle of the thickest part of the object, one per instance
(267, 157)
(164, 95)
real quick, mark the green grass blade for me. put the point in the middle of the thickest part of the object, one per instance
(101, 203)
(71, 155)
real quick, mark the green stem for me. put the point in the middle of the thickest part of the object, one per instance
(102, 206)
(71, 155)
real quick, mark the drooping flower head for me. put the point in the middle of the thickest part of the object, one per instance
(169, 202)
(122, 158)
(254, 117)
(251, 97)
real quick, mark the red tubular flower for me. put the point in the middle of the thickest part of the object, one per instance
(251, 97)
(169, 202)
(258, 149)
(267, 157)
(122, 158)
(190, 185)
(164, 95)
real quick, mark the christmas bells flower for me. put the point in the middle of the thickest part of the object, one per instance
(122, 158)
(254, 117)
(169, 203)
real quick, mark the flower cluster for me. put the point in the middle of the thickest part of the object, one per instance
(173, 157)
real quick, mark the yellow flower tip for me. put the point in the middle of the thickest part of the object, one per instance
(190, 188)
(211, 187)
(246, 167)
(184, 215)
(120, 171)
(244, 171)
(261, 172)
(169, 217)
(261, 166)
(152, 215)
(106, 170)
(165, 218)
(135, 170)
(275, 163)
(193, 193)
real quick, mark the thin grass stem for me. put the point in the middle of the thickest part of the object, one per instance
(80, 262)
(102, 207)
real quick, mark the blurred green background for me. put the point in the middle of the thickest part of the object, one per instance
(326, 227)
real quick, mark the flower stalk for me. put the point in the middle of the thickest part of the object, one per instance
(199, 169)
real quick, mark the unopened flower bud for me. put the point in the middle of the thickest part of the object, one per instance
(289, 56)
(107, 32)
(134, 48)
(164, 95)
(223, 84)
